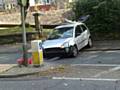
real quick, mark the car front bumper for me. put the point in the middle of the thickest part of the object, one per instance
(56, 51)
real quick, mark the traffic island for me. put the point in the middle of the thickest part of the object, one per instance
(14, 71)
(79, 72)
(52, 71)
(6, 67)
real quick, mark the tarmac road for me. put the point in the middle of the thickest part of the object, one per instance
(109, 76)
(9, 58)
(103, 52)
(91, 57)
(51, 84)
(84, 57)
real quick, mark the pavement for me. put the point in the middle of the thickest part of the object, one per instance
(105, 45)
(6, 67)
(13, 70)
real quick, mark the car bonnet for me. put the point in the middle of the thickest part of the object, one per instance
(54, 43)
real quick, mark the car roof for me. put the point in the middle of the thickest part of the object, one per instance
(69, 25)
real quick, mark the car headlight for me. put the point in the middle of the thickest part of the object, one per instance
(65, 45)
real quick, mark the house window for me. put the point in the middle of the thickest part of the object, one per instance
(46, 1)
(41, 2)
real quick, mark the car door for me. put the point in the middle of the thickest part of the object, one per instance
(85, 34)
(79, 37)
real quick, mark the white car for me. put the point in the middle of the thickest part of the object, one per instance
(67, 40)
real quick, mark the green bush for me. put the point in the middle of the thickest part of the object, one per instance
(104, 14)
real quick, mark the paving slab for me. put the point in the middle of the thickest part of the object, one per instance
(16, 71)
(6, 67)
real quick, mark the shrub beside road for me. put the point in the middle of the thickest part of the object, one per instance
(14, 34)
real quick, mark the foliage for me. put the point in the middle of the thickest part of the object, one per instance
(14, 34)
(104, 14)
(14, 30)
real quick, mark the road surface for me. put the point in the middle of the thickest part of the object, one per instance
(50, 84)
(84, 57)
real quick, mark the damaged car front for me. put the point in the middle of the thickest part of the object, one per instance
(59, 41)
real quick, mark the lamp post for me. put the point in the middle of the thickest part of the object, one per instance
(23, 4)
(24, 36)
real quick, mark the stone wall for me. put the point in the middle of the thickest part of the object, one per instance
(48, 18)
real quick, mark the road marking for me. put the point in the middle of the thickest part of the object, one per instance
(101, 65)
(108, 71)
(115, 68)
(4, 57)
(84, 79)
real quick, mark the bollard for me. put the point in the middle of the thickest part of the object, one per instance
(37, 53)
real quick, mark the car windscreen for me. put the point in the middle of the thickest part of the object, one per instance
(59, 33)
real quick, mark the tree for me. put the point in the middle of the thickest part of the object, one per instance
(24, 3)
(104, 14)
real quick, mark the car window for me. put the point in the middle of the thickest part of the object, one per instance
(59, 33)
(78, 31)
(83, 27)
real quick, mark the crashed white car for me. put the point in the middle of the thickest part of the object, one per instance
(67, 40)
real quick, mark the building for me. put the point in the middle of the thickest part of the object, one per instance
(1, 5)
(8, 4)
(43, 5)
(46, 5)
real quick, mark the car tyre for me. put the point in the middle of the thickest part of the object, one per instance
(74, 51)
(90, 44)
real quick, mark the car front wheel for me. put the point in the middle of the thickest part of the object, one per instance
(74, 51)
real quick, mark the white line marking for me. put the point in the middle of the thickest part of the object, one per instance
(101, 65)
(109, 71)
(114, 69)
(85, 79)
(4, 57)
